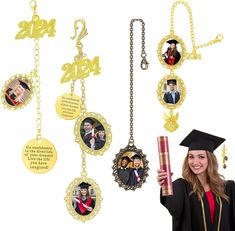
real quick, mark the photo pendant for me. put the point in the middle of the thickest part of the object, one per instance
(83, 198)
(130, 168)
(68, 106)
(93, 133)
(17, 92)
(39, 156)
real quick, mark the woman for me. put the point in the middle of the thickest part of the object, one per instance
(100, 138)
(202, 199)
(172, 56)
(84, 204)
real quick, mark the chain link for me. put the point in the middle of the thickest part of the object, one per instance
(144, 66)
(83, 99)
(194, 54)
(72, 86)
(37, 85)
(83, 172)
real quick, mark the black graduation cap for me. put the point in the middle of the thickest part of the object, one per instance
(24, 85)
(136, 156)
(89, 120)
(171, 81)
(172, 41)
(84, 185)
(100, 128)
(126, 158)
(197, 140)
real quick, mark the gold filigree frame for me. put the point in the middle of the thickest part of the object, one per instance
(183, 51)
(117, 159)
(79, 139)
(4, 89)
(160, 92)
(69, 195)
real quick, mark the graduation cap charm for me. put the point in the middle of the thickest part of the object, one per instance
(172, 53)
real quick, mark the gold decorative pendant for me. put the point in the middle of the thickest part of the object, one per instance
(68, 106)
(39, 156)
(83, 198)
(172, 54)
(93, 133)
(17, 92)
(168, 84)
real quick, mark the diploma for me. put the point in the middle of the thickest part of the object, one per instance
(164, 159)
(92, 132)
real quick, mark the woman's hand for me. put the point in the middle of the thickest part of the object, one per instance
(161, 176)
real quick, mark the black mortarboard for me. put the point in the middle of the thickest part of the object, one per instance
(84, 185)
(90, 121)
(136, 156)
(24, 85)
(172, 41)
(197, 140)
(171, 81)
(100, 128)
(126, 158)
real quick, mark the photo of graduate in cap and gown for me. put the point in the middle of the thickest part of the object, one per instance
(172, 55)
(124, 171)
(83, 204)
(202, 199)
(100, 137)
(17, 92)
(137, 171)
(88, 134)
(172, 96)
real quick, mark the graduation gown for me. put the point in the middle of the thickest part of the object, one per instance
(133, 178)
(86, 138)
(169, 99)
(186, 211)
(124, 175)
(99, 143)
(80, 209)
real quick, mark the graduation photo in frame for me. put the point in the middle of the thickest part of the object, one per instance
(93, 133)
(130, 168)
(171, 91)
(17, 92)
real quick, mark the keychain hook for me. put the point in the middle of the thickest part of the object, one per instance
(82, 33)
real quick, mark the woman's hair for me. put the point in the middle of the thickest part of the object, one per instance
(215, 180)
(87, 193)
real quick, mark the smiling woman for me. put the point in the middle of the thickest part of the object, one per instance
(202, 199)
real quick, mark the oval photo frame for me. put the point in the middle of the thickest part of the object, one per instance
(17, 92)
(171, 52)
(93, 133)
(164, 88)
(76, 208)
(124, 169)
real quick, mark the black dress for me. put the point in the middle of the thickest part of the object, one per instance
(186, 211)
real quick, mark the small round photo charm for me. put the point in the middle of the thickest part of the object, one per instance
(130, 168)
(17, 92)
(68, 106)
(83, 198)
(93, 133)
(39, 155)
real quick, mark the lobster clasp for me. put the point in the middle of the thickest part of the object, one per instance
(144, 64)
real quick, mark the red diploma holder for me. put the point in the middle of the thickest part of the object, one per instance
(164, 159)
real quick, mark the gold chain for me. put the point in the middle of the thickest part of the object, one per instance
(83, 172)
(144, 66)
(83, 99)
(194, 54)
(72, 86)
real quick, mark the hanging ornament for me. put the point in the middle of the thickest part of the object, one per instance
(39, 155)
(130, 167)
(172, 53)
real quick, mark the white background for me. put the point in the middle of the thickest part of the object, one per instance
(36, 202)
